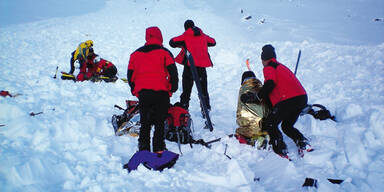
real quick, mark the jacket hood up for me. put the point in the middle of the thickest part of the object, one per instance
(153, 36)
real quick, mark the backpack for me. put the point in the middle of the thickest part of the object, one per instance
(129, 121)
(178, 125)
(322, 113)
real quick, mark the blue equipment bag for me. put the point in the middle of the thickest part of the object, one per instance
(151, 160)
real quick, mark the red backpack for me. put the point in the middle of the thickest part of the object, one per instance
(178, 125)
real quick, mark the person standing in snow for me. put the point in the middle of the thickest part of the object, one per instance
(81, 54)
(287, 97)
(250, 113)
(197, 43)
(152, 77)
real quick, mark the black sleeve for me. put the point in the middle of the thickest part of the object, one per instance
(129, 78)
(211, 44)
(175, 44)
(266, 89)
(172, 70)
(249, 97)
(72, 62)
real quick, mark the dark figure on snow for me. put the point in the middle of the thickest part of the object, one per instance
(152, 76)
(81, 54)
(197, 43)
(287, 98)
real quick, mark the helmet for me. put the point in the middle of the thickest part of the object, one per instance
(96, 59)
(89, 43)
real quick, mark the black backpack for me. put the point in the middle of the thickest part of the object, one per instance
(321, 113)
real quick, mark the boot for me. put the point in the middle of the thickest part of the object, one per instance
(302, 144)
(279, 147)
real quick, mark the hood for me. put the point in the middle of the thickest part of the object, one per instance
(153, 36)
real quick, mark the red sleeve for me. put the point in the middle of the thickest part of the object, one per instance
(169, 59)
(131, 63)
(211, 41)
(178, 41)
(178, 38)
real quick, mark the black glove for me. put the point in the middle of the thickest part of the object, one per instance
(249, 97)
(174, 88)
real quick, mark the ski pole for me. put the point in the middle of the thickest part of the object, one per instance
(225, 151)
(119, 107)
(247, 63)
(297, 62)
(34, 114)
(57, 67)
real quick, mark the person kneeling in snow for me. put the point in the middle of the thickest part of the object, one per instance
(96, 67)
(81, 54)
(250, 113)
(287, 97)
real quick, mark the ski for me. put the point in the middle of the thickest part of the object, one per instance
(208, 123)
(67, 76)
(103, 78)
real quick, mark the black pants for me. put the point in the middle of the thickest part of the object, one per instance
(188, 84)
(286, 112)
(153, 107)
(72, 62)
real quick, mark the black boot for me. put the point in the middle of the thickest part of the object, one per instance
(302, 143)
(279, 146)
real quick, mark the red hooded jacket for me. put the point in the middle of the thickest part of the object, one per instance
(196, 42)
(286, 84)
(147, 67)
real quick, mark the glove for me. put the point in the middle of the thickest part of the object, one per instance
(249, 97)
(132, 85)
(174, 88)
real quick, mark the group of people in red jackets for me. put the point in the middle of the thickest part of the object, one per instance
(153, 77)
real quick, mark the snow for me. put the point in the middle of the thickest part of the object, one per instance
(71, 146)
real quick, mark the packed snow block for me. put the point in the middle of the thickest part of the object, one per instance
(153, 161)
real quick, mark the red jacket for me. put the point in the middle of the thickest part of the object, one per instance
(102, 65)
(147, 67)
(196, 42)
(286, 84)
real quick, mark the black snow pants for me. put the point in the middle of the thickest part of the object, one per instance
(153, 106)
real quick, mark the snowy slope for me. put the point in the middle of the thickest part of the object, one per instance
(71, 145)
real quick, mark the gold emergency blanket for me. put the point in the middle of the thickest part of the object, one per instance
(249, 115)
